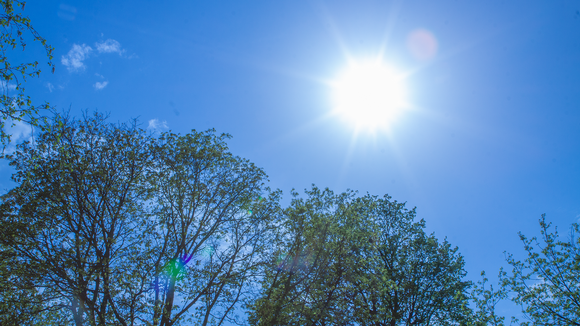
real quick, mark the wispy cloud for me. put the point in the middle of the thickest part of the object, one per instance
(50, 87)
(100, 85)
(109, 46)
(155, 124)
(7, 86)
(19, 131)
(73, 61)
(67, 12)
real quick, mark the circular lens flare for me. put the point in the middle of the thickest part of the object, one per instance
(369, 94)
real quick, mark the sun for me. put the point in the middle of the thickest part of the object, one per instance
(369, 94)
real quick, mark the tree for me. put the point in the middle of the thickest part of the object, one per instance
(80, 197)
(15, 105)
(119, 227)
(485, 300)
(20, 301)
(407, 277)
(547, 283)
(305, 279)
(347, 260)
(212, 226)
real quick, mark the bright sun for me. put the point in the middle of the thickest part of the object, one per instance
(369, 94)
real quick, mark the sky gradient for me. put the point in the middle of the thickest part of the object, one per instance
(490, 141)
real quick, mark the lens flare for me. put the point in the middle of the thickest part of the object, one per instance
(422, 44)
(175, 267)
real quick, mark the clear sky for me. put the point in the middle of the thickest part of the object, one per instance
(488, 141)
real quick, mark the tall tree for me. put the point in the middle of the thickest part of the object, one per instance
(212, 228)
(305, 280)
(74, 216)
(15, 105)
(366, 261)
(110, 225)
(547, 283)
(408, 277)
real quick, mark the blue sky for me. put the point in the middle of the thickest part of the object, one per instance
(490, 141)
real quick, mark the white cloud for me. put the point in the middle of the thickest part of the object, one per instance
(7, 86)
(100, 85)
(50, 87)
(155, 124)
(99, 75)
(73, 61)
(20, 131)
(109, 46)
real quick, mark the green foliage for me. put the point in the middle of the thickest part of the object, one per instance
(20, 301)
(408, 277)
(547, 283)
(15, 105)
(101, 210)
(80, 196)
(345, 260)
(202, 197)
(305, 275)
(485, 299)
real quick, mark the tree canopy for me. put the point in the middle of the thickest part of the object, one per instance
(547, 283)
(109, 224)
(123, 228)
(343, 259)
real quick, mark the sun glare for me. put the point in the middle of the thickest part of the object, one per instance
(369, 95)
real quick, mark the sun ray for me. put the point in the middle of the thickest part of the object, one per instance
(390, 26)
(348, 156)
